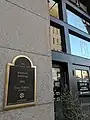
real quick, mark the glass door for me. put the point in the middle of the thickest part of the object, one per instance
(58, 77)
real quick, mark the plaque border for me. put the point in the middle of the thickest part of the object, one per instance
(7, 107)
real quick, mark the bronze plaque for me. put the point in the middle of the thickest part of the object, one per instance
(20, 87)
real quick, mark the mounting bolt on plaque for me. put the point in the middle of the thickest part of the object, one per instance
(20, 85)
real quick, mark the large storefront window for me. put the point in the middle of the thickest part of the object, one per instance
(78, 22)
(79, 47)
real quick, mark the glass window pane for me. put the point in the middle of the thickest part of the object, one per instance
(55, 38)
(80, 4)
(83, 7)
(56, 74)
(79, 46)
(83, 82)
(85, 75)
(78, 75)
(78, 22)
(73, 1)
(53, 8)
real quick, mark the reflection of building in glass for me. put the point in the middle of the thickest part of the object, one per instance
(82, 75)
(78, 22)
(83, 46)
(83, 7)
(53, 8)
(55, 38)
(85, 75)
(78, 74)
(83, 82)
(56, 74)
(79, 4)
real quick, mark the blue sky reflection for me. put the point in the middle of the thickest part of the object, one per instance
(76, 21)
(79, 46)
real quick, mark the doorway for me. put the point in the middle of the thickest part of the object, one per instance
(59, 77)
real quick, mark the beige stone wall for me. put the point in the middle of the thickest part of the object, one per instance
(24, 30)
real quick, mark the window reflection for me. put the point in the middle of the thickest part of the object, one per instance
(78, 75)
(56, 74)
(80, 5)
(53, 9)
(79, 46)
(78, 22)
(85, 75)
(55, 38)
(83, 83)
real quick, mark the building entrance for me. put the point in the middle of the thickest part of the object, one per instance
(59, 81)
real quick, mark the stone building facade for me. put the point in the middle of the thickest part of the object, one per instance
(24, 30)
